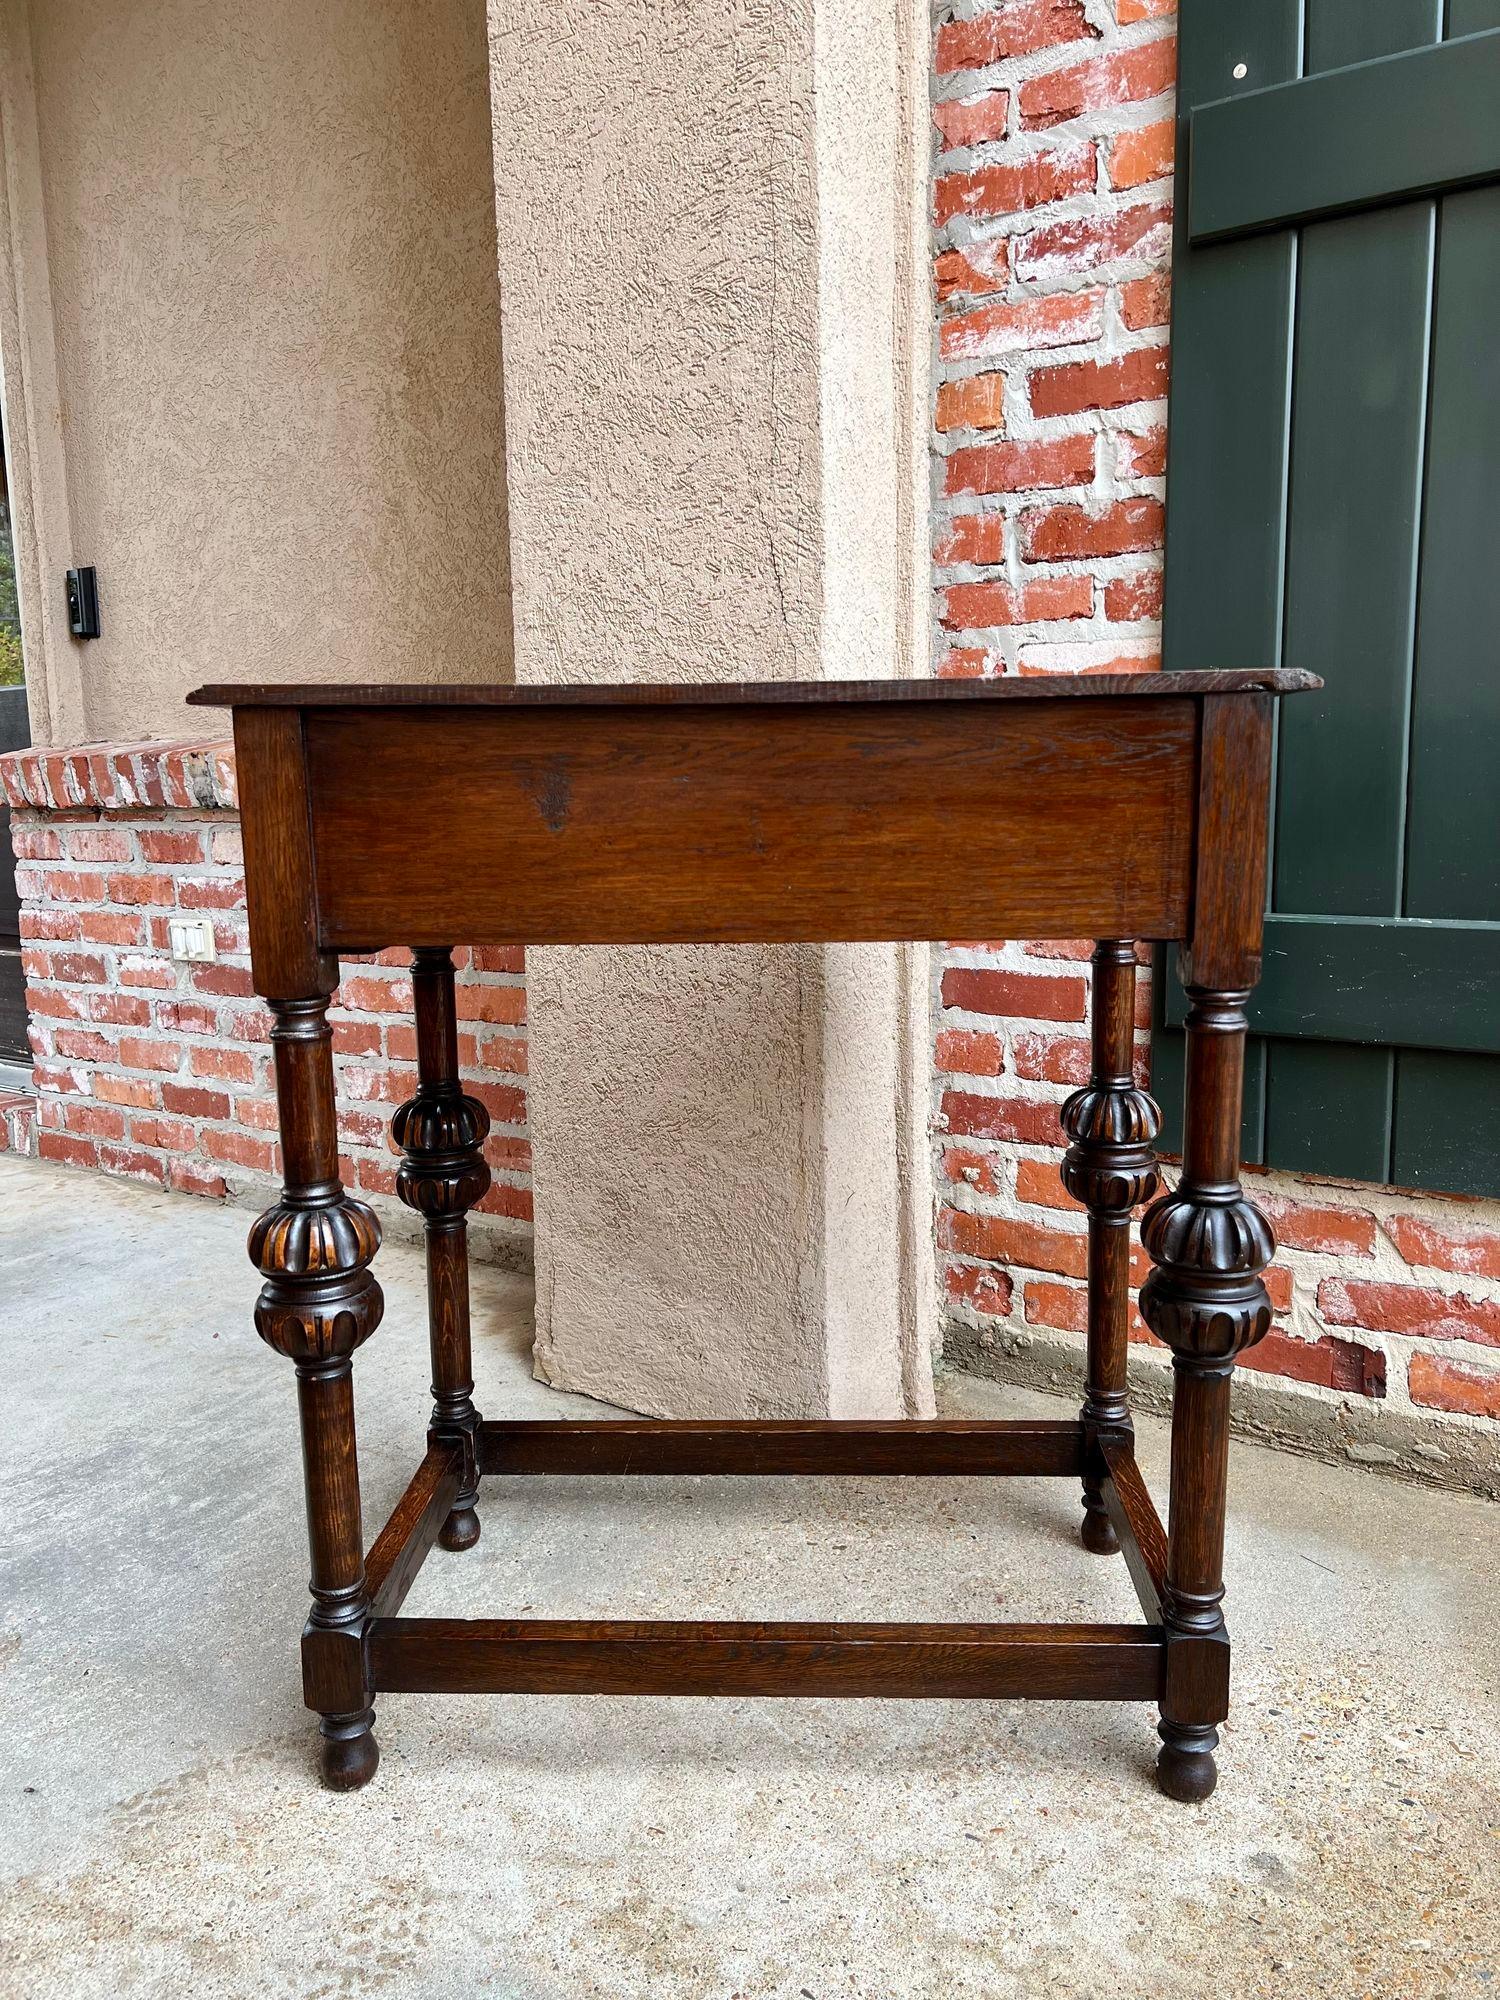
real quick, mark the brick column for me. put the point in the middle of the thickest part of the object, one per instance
(711, 243)
(160, 1070)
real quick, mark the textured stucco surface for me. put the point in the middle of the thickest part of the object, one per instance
(706, 270)
(276, 321)
(162, 1833)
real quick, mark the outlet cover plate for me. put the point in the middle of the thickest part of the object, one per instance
(192, 940)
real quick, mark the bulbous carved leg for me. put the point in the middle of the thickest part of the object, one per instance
(1205, 1298)
(1110, 1167)
(319, 1303)
(444, 1174)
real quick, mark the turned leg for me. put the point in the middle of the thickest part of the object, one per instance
(1110, 1167)
(1209, 1245)
(442, 1134)
(319, 1302)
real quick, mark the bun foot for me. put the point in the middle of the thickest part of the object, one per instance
(460, 1530)
(1097, 1533)
(1185, 1767)
(349, 1753)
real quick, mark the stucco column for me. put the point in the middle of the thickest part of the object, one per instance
(710, 230)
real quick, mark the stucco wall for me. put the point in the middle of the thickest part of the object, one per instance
(711, 316)
(274, 309)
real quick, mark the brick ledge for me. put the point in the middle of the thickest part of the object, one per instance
(193, 775)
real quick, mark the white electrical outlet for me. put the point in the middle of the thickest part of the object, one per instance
(192, 940)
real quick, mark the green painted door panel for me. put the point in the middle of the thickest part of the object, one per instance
(1453, 835)
(1350, 138)
(1334, 502)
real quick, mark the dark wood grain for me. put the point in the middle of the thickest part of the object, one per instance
(1118, 808)
(442, 1133)
(938, 1450)
(398, 1551)
(276, 829)
(937, 1662)
(738, 824)
(721, 694)
(1222, 948)
(318, 1303)
(1110, 1166)
(1137, 1524)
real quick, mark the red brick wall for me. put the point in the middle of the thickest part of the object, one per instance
(1052, 204)
(161, 1071)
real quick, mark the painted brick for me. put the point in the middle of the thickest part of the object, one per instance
(1417, 1310)
(1015, 28)
(1441, 1384)
(1127, 11)
(1125, 76)
(1140, 377)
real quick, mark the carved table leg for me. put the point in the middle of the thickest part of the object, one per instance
(1205, 1299)
(319, 1302)
(1110, 1167)
(442, 1133)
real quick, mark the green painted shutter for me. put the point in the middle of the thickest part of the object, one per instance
(1334, 503)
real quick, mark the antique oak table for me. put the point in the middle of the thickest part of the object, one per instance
(1120, 809)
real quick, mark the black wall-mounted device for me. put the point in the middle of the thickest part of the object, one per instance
(83, 603)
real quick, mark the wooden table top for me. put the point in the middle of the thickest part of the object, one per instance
(679, 694)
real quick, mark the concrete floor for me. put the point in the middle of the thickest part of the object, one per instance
(162, 1832)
